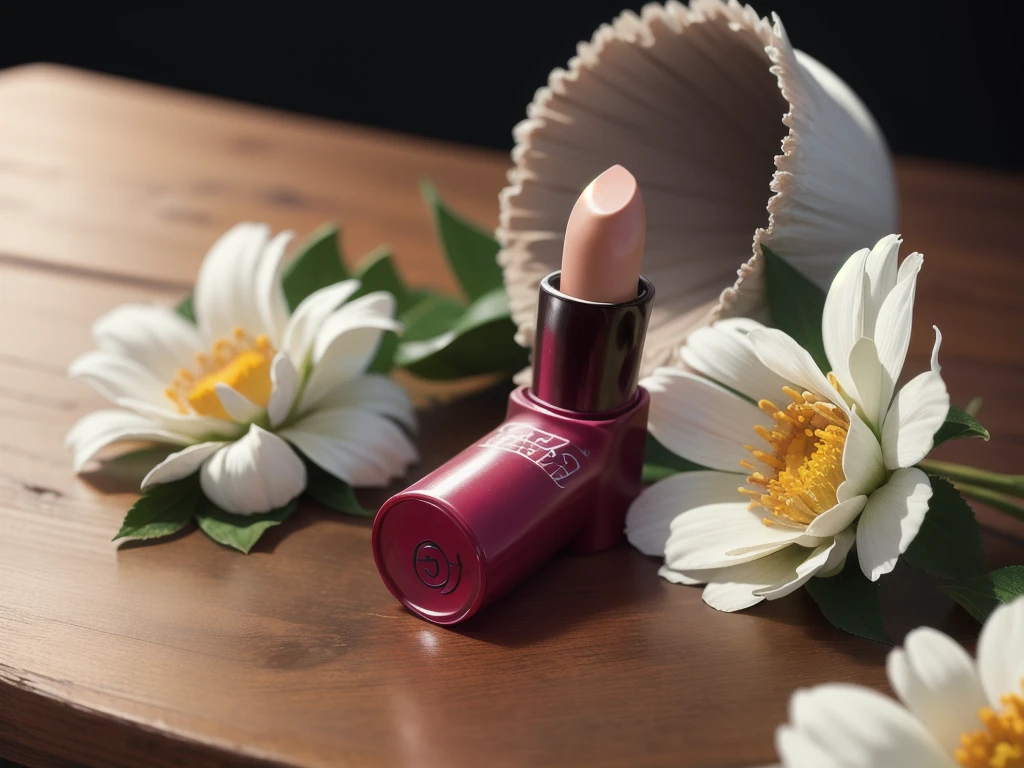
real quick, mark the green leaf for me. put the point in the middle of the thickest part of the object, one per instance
(186, 309)
(376, 272)
(958, 425)
(384, 360)
(948, 545)
(431, 316)
(164, 510)
(980, 595)
(333, 492)
(480, 341)
(796, 305)
(660, 462)
(316, 265)
(850, 602)
(470, 249)
(240, 532)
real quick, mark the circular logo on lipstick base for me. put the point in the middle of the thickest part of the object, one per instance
(429, 560)
(434, 569)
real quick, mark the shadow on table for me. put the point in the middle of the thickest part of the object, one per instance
(565, 593)
(124, 473)
(910, 599)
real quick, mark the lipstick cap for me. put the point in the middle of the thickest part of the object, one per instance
(587, 355)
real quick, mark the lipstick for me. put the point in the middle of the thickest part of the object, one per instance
(561, 470)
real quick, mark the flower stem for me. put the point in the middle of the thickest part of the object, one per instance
(992, 498)
(1010, 485)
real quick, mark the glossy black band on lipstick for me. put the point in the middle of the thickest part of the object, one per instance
(587, 355)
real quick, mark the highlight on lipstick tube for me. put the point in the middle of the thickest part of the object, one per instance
(562, 468)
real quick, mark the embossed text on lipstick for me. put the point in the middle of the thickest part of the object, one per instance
(558, 457)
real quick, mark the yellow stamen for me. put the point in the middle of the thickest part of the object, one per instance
(793, 395)
(804, 465)
(241, 362)
(1000, 744)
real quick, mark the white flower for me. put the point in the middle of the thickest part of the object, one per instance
(737, 140)
(248, 379)
(954, 713)
(830, 467)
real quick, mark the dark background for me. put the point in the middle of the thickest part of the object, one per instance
(942, 78)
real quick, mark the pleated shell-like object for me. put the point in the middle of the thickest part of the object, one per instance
(696, 101)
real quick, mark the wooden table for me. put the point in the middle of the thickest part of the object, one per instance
(184, 653)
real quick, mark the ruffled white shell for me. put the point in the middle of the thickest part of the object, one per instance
(695, 101)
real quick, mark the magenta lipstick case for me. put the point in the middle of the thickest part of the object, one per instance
(558, 473)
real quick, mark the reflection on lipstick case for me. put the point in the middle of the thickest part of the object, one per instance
(559, 472)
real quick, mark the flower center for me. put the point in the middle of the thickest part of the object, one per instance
(804, 465)
(241, 362)
(1001, 743)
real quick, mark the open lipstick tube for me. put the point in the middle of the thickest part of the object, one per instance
(561, 470)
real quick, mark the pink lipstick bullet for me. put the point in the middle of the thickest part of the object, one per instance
(561, 470)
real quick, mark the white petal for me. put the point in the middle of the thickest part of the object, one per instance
(239, 407)
(701, 421)
(284, 380)
(269, 291)
(837, 557)
(869, 382)
(918, 411)
(738, 325)
(937, 682)
(346, 343)
(798, 750)
(842, 320)
(97, 430)
(891, 520)
(650, 516)
(675, 577)
(361, 448)
(815, 560)
(880, 271)
(792, 362)
(722, 353)
(181, 464)
(895, 318)
(861, 728)
(310, 315)
(935, 367)
(188, 424)
(156, 337)
(737, 587)
(862, 460)
(375, 311)
(837, 519)
(256, 474)
(910, 267)
(1000, 660)
(115, 376)
(225, 296)
(375, 393)
(703, 537)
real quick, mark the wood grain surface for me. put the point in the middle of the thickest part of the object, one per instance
(187, 654)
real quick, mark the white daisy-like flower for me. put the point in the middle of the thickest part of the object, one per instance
(954, 712)
(832, 466)
(250, 382)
